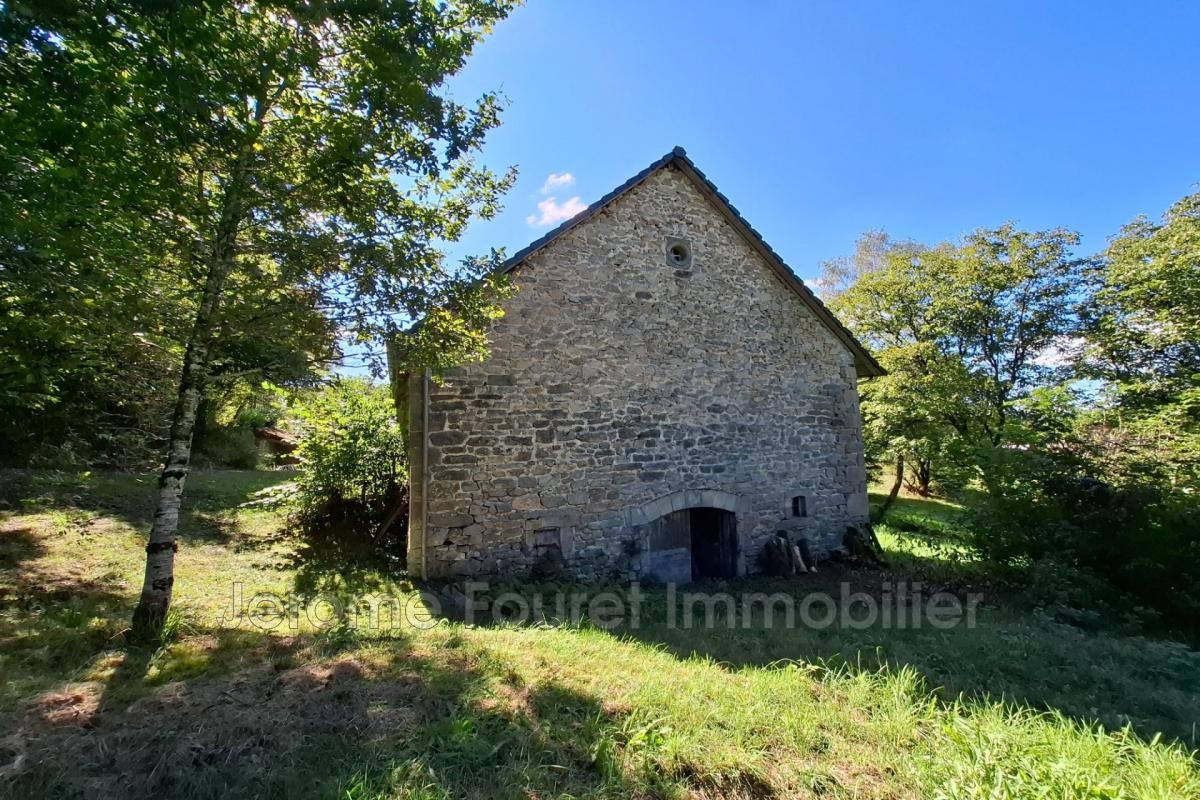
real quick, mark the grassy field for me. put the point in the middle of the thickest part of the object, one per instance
(1020, 705)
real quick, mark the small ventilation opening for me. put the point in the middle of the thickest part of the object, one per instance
(799, 506)
(679, 254)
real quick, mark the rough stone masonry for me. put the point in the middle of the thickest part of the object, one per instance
(656, 357)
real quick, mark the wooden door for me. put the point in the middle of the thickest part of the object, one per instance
(714, 543)
(670, 553)
(692, 543)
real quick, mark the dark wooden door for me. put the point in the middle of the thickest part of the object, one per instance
(692, 543)
(670, 556)
(713, 534)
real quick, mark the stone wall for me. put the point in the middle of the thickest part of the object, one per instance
(620, 388)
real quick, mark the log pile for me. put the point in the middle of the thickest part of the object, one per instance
(783, 558)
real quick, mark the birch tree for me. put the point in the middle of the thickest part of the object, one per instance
(307, 144)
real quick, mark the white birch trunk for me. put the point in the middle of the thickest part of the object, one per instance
(155, 601)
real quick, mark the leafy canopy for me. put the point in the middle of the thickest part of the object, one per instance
(1144, 315)
(962, 330)
(1143, 335)
(317, 140)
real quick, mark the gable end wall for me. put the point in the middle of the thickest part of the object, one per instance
(619, 389)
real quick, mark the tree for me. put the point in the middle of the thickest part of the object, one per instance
(1144, 315)
(961, 329)
(1143, 334)
(307, 145)
(870, 255)
(1011, 299)
(887, 299)
(95, 301)
(82, 310)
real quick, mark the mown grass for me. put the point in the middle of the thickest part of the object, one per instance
(1019, 706)
(71, 559)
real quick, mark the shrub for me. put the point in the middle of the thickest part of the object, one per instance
(1015, 517)
(232, 447)
(1142, 541)
(352, 475)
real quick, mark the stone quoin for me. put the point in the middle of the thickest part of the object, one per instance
(661, 397)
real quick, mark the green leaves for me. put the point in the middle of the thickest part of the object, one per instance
(312, 144)
(960, 329)
(1143, 335)
(1144, 318)
(352, 446)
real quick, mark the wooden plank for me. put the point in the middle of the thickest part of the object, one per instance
(670, 556)
(670, 566)
(671, 531)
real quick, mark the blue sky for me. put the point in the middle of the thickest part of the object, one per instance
(822, 119)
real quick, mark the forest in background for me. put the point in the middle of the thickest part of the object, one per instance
(1062, 392)
(201, 198)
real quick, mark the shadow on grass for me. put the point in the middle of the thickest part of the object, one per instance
(18, 544)
(387, 721)
(1017, 656)
(997, 653)
(941, 516)
(339, 558)
(211, 497)
(241, 713)
(53, 623)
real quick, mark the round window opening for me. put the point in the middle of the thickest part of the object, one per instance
(679, 254)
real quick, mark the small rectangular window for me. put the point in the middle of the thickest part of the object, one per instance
(799, 506)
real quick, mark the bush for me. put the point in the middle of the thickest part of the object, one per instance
(352, 476)
(232, 447)
(1015, 518)
(1141, 541)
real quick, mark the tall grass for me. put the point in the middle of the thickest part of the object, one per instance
(1010, 709)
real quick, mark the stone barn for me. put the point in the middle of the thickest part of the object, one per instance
(662, 396)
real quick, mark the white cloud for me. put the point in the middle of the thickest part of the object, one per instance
(551, 211)
(557, 180)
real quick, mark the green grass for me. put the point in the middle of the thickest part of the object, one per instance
(1018, 706)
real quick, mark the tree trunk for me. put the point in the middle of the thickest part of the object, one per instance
(152, 607)
(151, 611)
(922, 477)
(891, 498)
(205, 416)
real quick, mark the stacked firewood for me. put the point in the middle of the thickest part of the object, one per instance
(783, 558)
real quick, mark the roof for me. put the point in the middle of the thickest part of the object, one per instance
(282, 438)
(864, 362)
